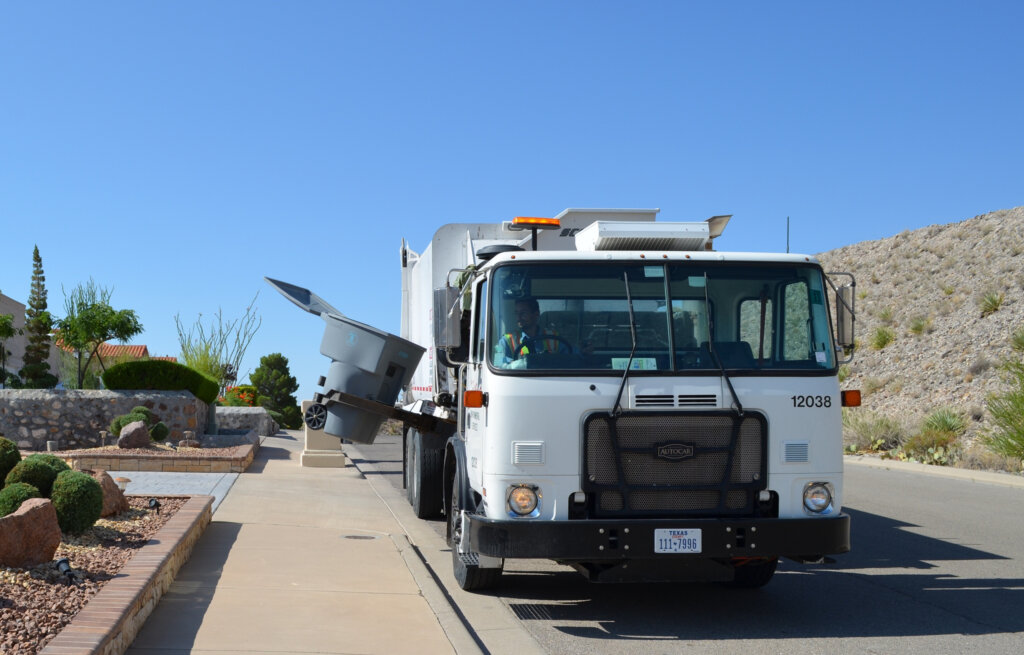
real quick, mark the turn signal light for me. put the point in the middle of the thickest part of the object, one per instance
(473, 398)
(851, 397)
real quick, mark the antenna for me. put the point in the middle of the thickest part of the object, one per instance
(787, 234)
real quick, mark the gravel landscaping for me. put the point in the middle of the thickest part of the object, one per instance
(37, 603)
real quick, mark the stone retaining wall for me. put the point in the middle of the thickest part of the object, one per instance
(246, 418)
(74, 418)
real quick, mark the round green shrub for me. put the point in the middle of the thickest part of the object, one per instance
(118, 423)
(159, 432)
(78, 499)
(9, 456)
(13, 495)
(54, 462)
(145, 412)
(34, 471)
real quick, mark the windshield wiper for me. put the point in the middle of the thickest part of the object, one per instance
(714, 353)
(616, 408)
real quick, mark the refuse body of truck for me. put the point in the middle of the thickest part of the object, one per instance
(608, 391)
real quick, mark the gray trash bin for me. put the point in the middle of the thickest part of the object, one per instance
(365, 362)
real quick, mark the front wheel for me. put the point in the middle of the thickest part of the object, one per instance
(466, 566)
(424, 470)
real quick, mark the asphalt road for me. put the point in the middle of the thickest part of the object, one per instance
(937, 566)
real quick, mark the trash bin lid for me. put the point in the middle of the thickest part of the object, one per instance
(304, 298)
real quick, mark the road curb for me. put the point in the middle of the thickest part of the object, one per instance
(967, 475)
(474, 623)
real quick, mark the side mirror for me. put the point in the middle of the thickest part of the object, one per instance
(447, 318)
(844, 316)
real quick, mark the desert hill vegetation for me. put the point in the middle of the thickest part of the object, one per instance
(940, 337)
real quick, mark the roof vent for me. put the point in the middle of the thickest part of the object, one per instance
(619, 235)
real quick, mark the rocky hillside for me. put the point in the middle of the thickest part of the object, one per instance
(929, 288)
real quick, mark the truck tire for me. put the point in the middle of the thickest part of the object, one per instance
(469, 575)
(754, 574)
(424, 473)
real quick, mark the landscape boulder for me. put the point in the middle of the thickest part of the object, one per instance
(30, 535)
(114, 501)
(134, 435)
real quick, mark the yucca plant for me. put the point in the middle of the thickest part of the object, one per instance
(990, 302)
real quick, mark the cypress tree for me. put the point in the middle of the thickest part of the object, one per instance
(35, 373)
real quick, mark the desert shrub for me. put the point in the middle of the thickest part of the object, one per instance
(844, 373)
(1017, 340)
(159, 431)
(990, 302)
(932, 446)
(979, 458)
(9, 456)
(161, 375)
(882, 337)
(871, 385)
(981, 365)
(920, 324)
(38, 471)
(868, 431)
(1007, 409)
(946, 420)
(13, 495)
(78, 499)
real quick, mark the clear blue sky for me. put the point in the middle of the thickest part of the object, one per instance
(180, 151)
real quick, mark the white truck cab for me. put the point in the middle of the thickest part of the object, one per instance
(611, 393)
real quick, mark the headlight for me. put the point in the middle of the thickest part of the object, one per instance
(818, 498)
(522, 500)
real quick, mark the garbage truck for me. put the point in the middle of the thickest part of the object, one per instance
(612, 392)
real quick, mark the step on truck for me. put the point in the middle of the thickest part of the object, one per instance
(610, 392)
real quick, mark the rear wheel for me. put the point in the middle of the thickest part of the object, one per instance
(752, 574)
(465, 566)
(424, 469)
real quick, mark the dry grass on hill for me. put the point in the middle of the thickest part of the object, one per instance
(937, 312)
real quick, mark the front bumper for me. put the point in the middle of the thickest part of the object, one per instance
(592, 540)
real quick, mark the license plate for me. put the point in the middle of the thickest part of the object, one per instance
(677, 541)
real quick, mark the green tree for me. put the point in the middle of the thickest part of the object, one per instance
(90, 321)
(35, 371)
(275, 389)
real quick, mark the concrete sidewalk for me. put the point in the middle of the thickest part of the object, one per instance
(298, 560)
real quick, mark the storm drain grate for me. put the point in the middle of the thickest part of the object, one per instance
(530, 612)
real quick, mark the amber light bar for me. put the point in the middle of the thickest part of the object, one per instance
(537, 222)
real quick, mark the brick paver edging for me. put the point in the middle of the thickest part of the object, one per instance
(239, 460)
(110, 621)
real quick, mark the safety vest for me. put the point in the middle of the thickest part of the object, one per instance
(518, 350)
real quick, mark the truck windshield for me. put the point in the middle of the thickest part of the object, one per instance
(566, 317)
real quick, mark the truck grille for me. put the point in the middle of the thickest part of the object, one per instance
(673, 464)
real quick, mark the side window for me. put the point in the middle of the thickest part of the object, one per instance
(751, 325)
(480, 329)
(796, 338)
